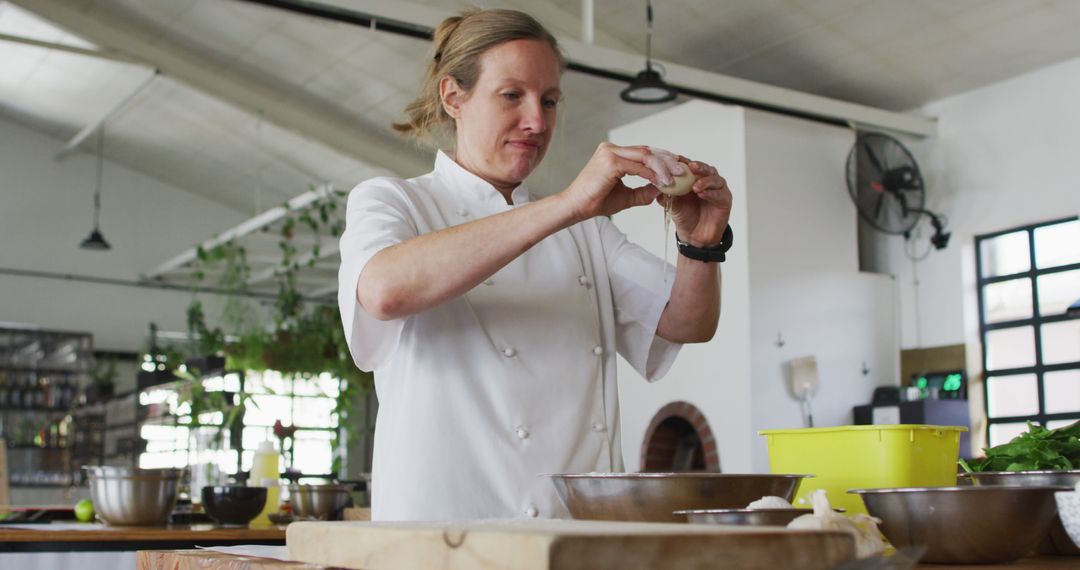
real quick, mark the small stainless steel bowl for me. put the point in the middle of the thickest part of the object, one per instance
(751, 517)
(323, 502)
(656, 496)
(1056, 541)
(965, 525)
(132, 496)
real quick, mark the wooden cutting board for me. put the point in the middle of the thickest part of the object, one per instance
(562, 545)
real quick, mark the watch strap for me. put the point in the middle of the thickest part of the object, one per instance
(716, 254)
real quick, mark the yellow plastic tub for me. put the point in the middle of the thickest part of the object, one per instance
(865, 457)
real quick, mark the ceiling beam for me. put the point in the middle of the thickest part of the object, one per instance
(698, 82)
(616, 64)
(250, 226)
(67, 48)
(286, 105)
(100, 121)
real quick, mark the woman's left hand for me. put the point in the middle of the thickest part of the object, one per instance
(701, 215)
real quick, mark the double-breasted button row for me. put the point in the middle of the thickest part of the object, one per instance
(511, 352)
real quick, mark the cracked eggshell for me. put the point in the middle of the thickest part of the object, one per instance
(680, 184)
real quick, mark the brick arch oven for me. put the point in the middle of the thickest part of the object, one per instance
(679, 439)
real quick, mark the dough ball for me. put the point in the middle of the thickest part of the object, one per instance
(680, 184)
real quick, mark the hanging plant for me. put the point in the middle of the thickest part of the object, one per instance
(306, 339)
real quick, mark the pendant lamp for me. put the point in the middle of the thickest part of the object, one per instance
(96, 241)
(648, 87)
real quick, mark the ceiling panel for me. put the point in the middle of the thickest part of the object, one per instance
(884, 53)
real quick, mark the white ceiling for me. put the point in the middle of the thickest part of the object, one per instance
(884, 53)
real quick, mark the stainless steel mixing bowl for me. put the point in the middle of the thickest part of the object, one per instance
(750, 517)
(1056, 541)
(323, 502)
(132, 496)
(656, 496)
(965, 525)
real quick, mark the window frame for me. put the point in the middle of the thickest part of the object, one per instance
(235, 434)
(1035, 321)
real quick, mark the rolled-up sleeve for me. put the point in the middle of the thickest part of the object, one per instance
(640, 286)
(378, 215)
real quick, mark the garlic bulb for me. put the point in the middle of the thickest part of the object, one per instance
(868, 539)
(770, 502)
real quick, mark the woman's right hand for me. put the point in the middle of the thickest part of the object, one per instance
(598, 189)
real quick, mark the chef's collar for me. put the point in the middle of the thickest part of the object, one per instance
(471, 185)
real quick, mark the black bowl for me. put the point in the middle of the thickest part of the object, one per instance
(233, 505)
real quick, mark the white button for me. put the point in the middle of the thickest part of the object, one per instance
(509, 352)
(599, 427)
(488, 282)
(583, 280)
(598, 350)
(522, 433)
(462, 213)
(532, 512)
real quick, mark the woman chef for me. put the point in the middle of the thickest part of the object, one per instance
(492, 318)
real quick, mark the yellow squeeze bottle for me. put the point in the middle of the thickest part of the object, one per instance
(265, 470)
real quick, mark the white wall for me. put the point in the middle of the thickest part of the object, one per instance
(46, 210)
(805, 279)
(793, 269)
(714, 376)
(1005, 156)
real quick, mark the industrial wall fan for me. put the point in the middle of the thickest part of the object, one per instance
(885, 183)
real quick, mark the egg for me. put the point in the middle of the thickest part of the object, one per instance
(680, 184)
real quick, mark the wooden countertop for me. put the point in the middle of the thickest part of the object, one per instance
(203, 560)
(197, 532)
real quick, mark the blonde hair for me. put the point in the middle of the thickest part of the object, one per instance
(458, 44)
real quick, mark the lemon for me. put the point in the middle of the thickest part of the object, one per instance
(84, 510)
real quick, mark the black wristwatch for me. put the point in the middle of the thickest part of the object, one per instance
(714, 254)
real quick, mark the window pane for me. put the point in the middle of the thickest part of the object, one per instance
(314, 412)
(1008, 300)
(1057, 244)
(1011, 396)
(1005, 254)
(322, 385)
(253, 436)
(267, 382)
(1003, 433)
(1057, 291)
(1062, 391)
(267, 409)
(1061, 342)
(1056, 424)
(313, 454)
(1010, 348)
(227, 383)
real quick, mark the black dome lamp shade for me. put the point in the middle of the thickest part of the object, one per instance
(648, 87)
(96, 241)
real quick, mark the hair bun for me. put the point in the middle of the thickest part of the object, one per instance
(447, 28)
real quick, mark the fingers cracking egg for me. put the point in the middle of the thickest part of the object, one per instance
(681, 184)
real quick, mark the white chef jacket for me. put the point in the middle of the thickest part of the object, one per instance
(482, 394)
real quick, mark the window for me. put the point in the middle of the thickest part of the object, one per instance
(307, 403)
(1027, 277)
